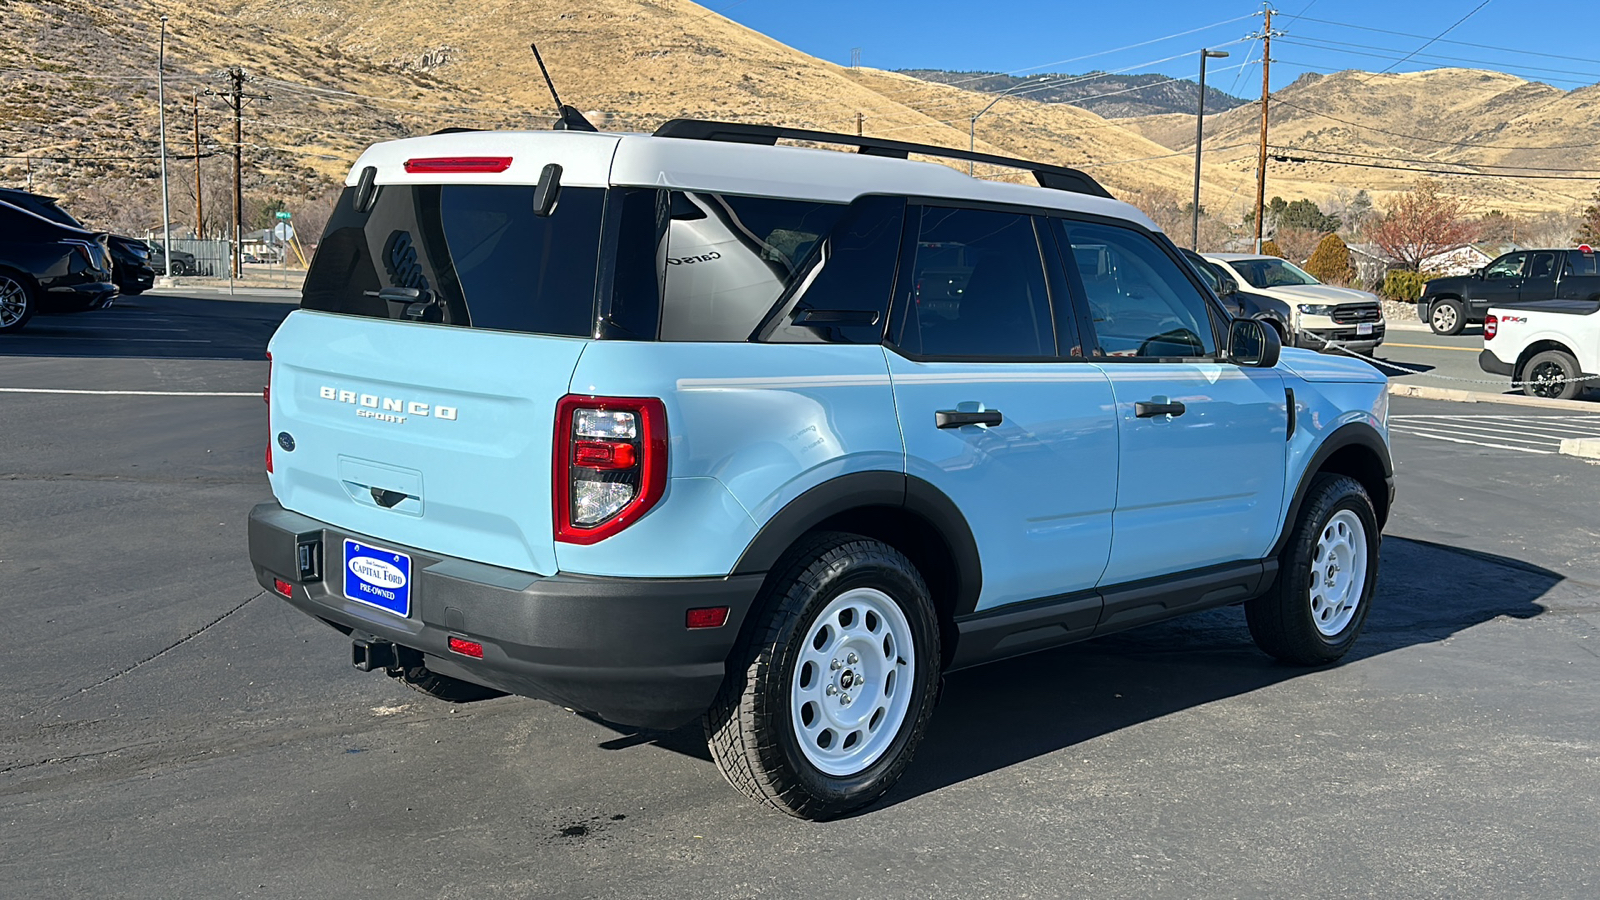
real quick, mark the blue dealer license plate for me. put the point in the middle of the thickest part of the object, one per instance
(377, 577)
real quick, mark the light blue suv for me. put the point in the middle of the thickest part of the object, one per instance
(693, 424)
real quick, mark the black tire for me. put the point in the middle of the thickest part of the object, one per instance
(442, 687)
(1282, 621)
(1447, 317)
(750, 727)
(18, 302)
(1552, 374)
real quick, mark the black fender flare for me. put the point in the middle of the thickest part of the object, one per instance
(1350, 434)
(858, 490)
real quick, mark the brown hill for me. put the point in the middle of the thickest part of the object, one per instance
(1438, 119)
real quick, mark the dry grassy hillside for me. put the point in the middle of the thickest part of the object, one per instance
(78, 97)
(1422, 120)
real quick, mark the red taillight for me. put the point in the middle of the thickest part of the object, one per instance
(446, 164)
(266, 397)
(466, 647)
(706, 617)
(609, 464)
(283, 587)
(1491, 327)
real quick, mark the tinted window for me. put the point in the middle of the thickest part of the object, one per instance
(1506, 266)
(843, 294)
(477, 251)
(1142, 304)
(1580, 263)
(976, 287)
(39, 206)
(1542, 265)
(728, 259)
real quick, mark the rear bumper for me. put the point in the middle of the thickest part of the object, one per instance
(616, 647)
(1490, 363)
(60, 295)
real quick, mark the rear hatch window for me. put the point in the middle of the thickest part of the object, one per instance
(471, 255)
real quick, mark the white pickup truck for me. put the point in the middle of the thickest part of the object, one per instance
(1551, 346)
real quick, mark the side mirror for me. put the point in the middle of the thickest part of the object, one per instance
(1252, 342)
(1229, 286)
(1477, 273)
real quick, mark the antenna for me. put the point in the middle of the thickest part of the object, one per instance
(567, 118)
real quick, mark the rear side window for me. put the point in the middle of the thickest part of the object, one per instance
(976, 288)
(728, 259)
(1580, 263)
(476, 255)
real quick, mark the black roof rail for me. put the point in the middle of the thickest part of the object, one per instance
(1058, 178)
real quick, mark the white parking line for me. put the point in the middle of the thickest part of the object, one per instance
(1509, 430)
(1456, 440)
(255, 394)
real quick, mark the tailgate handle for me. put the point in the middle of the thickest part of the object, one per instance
(387, 499)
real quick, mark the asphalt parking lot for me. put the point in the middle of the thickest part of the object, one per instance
(172, 732)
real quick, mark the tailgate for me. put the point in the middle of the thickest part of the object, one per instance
(431, 437)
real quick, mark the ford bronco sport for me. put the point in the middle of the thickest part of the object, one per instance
(695, 425)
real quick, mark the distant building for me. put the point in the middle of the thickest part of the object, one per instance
(1466, 259)
(1371, 263)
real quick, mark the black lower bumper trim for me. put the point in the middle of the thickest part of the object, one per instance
(1490, 363)
(617, 647)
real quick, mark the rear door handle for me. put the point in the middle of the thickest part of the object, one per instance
(953, 418)
(1158, 406)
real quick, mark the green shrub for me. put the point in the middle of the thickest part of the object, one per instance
(1330, 263)
(1403, 285)
(1271, 248)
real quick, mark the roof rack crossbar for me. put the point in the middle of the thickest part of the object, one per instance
(1058, 178)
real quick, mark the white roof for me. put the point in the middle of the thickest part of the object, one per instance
(605, 159)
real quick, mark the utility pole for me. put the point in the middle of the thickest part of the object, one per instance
(199, 202)
(1266, 88)
(161, 113)
(1199, 133)
(236, 96)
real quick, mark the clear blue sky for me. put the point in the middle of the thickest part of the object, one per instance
(1032, 36)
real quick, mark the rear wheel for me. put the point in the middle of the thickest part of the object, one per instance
(1552, 374)
(1326, 577)
(828, 696)
(1447, 317)
(16, 302)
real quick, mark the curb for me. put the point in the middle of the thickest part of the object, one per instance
(1422, 392)
(1588, 448)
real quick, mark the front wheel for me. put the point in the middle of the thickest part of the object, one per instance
(1326, 577)
(829, 694)
(1447, 317)
(1553, 375)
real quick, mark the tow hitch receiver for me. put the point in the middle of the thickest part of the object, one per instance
(377, 654)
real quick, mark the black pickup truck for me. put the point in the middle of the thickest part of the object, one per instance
(1450, 304)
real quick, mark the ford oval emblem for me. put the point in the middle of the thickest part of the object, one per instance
(286, 441)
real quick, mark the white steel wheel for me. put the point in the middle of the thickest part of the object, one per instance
(1338, 573)
(851, 685)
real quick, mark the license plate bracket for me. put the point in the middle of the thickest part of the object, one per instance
(1364, 328)
(377, 577)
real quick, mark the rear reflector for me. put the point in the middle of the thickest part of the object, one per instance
(466, 647)
(446, 164)
(283, 587)
(706, 617)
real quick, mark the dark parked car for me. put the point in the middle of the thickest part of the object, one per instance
(183, 262)
(1450, 304)
(1242, 303)
(46, 266)
(130, 257)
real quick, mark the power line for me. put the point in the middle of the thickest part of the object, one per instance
(1417, 137)
(1445, 41)
(1431, 40)
(1373, 165)
(1324, 44)
(1593, 173)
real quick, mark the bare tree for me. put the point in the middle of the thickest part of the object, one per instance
(1548, 229)
(1297, 244)
(1422, 222)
